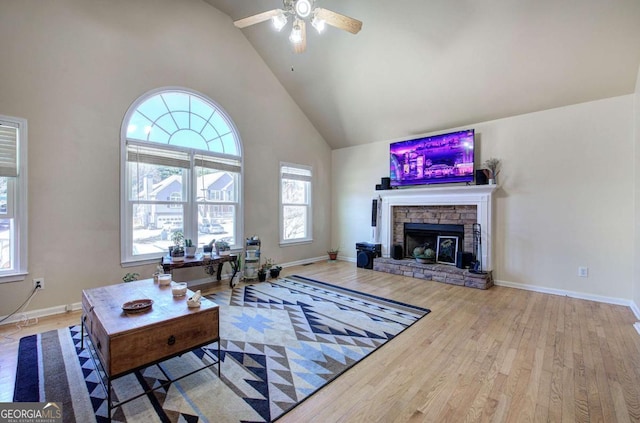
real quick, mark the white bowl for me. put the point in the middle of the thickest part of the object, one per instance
(164, 279)
(179, 289)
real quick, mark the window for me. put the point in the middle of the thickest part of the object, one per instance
(295, 203)
(178, 149)
(13, 199)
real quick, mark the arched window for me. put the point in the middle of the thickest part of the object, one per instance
(178, 147)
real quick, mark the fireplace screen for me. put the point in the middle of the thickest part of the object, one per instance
(444, 240)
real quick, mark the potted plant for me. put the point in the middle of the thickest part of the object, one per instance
(262, 273)
(130, 277)
(492, 171)
(189, 248)
(274, 271)
(222, 248)
(333, 253)
(268, 263)
(177, 252)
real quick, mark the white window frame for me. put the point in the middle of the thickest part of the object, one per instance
(302, 173)
(17, 196)
(190, 204)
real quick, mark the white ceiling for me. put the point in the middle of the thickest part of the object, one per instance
(422, 66)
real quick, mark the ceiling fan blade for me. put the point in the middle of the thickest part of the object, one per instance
(302, 45)
(339, 21)
(260, 17)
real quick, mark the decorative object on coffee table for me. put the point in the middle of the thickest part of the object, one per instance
(137, 306)
(194, 301)
(179, 289)
(164, 279)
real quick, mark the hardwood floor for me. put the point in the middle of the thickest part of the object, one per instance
(499, 355)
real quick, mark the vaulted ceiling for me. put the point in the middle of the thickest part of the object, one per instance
(420, 66)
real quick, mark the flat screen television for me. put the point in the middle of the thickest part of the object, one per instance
(439, 159)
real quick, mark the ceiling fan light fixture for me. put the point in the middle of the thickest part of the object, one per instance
(318, 24)
(279, 21)
(296, 33)
(303, 8)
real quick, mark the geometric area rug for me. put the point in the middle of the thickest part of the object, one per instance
(281, 341)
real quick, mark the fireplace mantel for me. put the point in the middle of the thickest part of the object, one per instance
(478, 195)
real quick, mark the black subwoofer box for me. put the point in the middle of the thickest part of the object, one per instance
(463, 260)
(364, 259)
(397, 252)
(366, 252)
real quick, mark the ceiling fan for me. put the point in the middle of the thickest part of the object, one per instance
(301, 11)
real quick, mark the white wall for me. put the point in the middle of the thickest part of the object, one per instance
(565, 200)
(73, 67)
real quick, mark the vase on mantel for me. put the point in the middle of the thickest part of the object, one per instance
(492, 181)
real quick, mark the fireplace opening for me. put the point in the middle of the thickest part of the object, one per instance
(426, 235)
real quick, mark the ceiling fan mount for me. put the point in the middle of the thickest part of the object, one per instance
(301, 11)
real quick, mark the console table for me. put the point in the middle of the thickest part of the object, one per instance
(199, 260)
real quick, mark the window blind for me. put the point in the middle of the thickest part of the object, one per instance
(156, 156)
(218, 163)
(295, 172)
(8, 149)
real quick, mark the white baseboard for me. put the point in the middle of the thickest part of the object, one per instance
(305, 261)
(580, 295)
(572, 294)
(43, 312)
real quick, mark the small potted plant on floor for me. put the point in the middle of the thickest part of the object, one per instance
(274, 269)
(274, 272)
(333, 253)
(262, 273)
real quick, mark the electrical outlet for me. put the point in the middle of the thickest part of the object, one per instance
(583, 272)
(38, 283)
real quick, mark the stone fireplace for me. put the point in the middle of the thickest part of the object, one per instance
(419, 215)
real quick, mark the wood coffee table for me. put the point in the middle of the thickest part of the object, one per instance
(126, 342)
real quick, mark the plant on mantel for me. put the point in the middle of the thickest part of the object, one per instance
(493, 169)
